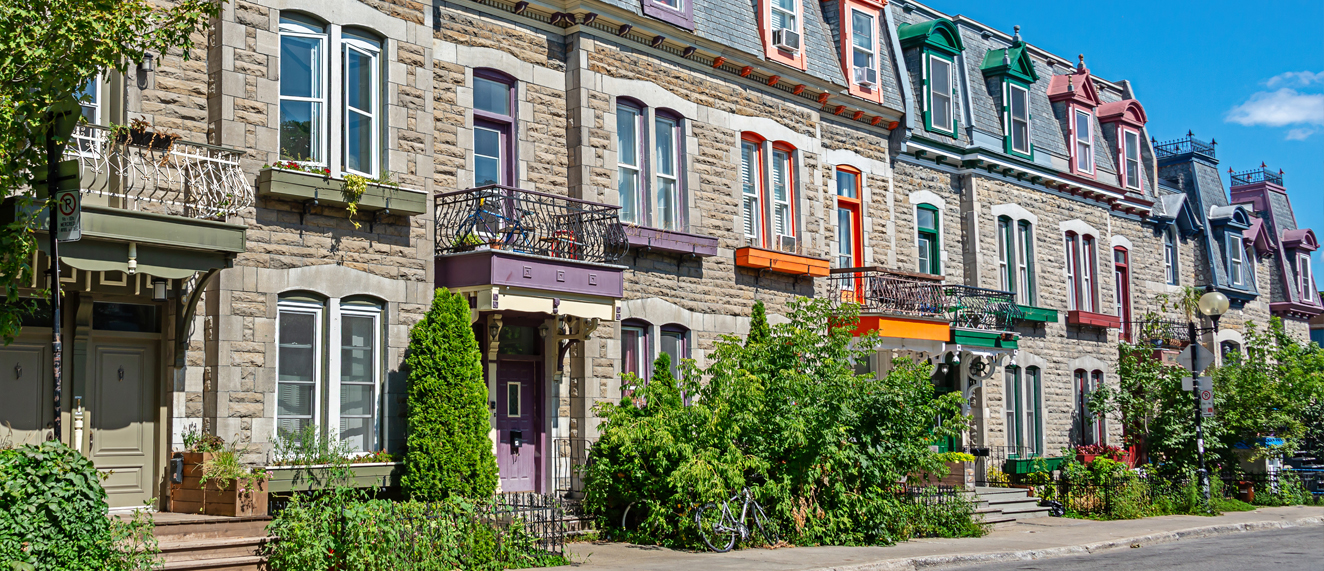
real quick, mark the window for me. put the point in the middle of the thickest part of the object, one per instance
(89, 96)
(1170, 266)
(1084, 142)
(926, 222)
(362, 84)
(1023, 393)
(675, 344)
(1025, 294)
(751, 181)
(1019, 114)
(634, 350)
(1235, 253)
(1006, 245)
(1073, 261)
(628, 141)
(1122, 279)
(941, 116)
(302, 90)
(1230, 351)
(667, 138)
(298, 365)
(359, 373)
(1088, 425)
(1305, 284)
(1132, 143)
(494, 122)
(1082, 286)
(782, 222)
(673, 4)
(862, 48)
(784, 15)
(849, 231)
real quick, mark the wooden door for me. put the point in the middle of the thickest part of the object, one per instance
(519, 426)
(27, 406)
(122, 406)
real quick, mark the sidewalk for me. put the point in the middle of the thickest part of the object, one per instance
(1031, 539)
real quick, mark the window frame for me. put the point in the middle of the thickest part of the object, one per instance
(1072, 243)
(796, 17)
(1006, 249)
(929, 111)
(289, 26)
(632, 211)
(934, 251)
(1027, 152)
(1305, 277)
(1236, 264)
(871, 51)
(1171, 269)
(317, 310)
(1076, 142)
(1089, 275)
(1122, 285)
(682, 336)
(679, 203)
(768, 9)
(751, 159)
(1127, 170)
(1086, 383)
(359, 42)
(782, 156)
(641, 346)
(852, 205)
(505, 125)
(377, 314)
(1026, 291)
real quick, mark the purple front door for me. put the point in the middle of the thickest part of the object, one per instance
(519, 426)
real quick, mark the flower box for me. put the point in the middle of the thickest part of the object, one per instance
(234, 499)
(146, 140)
(315, 477)
(1031, 465)
(782, 262)
(301, 186)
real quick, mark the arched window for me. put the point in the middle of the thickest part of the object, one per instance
(651, 187)
(850, 232)
(303, 86)
(629, 152)
(675, 342)
(634, 348)
(1231, 351)
(494, 128)
(1083, 294)
(1006, 249)
(362, 91)
(928, 239)
(359, 387)
(769, 188)
(1122, 279)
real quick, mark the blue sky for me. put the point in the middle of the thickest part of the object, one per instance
(1250, 75)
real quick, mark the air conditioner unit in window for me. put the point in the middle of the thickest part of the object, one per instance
(786, 39)
(786, 244)
(866, 76)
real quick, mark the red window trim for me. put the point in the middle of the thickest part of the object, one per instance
(1122, 271)
(847, 46)
(762, 192)
(796, 60)
(855, 205)
(790, 192)
(1121, 159)
(1093, 173)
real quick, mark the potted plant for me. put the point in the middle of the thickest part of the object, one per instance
(216, 482)
(138, 133)
(1087, 453)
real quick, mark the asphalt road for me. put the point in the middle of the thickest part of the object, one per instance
(1295, 549)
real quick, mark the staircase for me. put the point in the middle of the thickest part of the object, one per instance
(212, 543)
(1006, 505)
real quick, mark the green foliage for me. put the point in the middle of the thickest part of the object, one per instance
(448, 449)
(48, 50)
(758, 325)
(822, 447)
(53, 515)
(224, 468)
(335, 531)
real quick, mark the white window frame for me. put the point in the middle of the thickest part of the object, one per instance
(1072, 245)
(773, 8)
(751, 183)
(1171, 273)
(86, 141)
(352, 42)
(1005, 226)
(1084, 158)
(948, 126)
(297, 27)
(316, 310)
(1012, 90)
(668, 218)
(335, 382)
(1131, 171)
(783, 215)
(1304, 277)
(1024, 243)
(680, 4)
(872, 50)
(1236, 262)
(632, 171)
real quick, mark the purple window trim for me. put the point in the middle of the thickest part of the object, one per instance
(642, 361)
(643, 156)
(682, 182)
(507, 124)
(683, 18)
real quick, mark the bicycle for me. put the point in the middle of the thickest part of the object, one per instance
(486, 221)
(718, 523)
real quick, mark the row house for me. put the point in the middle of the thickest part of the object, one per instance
(607, 181)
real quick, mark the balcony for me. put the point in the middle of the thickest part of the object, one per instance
(895, 304)
(1160, 333)
(186, 179)
(530, 251)
(983, 317)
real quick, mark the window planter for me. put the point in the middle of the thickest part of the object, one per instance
(1090, 319)
(305, 187)
(671, 241)
(1031, 465)
(781, 262)
(300, 478)
(190, 496)
(1038, 314)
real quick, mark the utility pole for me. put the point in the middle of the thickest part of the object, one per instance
(1199, 418)
(52, 167)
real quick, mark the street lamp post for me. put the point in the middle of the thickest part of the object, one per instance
(1212, 305)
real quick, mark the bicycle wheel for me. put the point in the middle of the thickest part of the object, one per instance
(715, 527)
(767, 528)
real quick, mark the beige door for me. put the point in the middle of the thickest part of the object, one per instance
(122, 406)
(27, 406)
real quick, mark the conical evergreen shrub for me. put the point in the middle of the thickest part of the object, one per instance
(449, 452)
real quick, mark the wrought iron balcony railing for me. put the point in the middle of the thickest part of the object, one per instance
(1257, 175)
(529, 222)
(1157, 332)
(979, 308)
(1186, 145)
(188, 179)
(881, 291)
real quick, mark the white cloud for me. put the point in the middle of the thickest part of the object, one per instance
(1279, 109)
(1299, 134)
(1295, 79)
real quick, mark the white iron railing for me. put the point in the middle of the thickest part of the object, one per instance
(189, 179)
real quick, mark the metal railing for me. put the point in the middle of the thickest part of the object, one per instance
(881, 291)
(1157, 332)
(188, 179)
(1187, 145)
(506, 529)
(1256, 176)
(505, 218)
(569, 457)
(979, 308)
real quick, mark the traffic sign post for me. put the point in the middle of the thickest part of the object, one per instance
(67, 225)
(60, 122)
(1196, 358)
(1206, 397)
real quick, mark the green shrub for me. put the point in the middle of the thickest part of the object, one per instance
(448, 448)
(53, 515)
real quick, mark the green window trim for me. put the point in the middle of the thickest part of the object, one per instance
(928, 240)
(1025, 237)
(1006, 254)
(1008, 145)
(929, 125)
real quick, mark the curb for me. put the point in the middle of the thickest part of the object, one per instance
(916, 563)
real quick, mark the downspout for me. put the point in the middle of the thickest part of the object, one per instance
(898, 138)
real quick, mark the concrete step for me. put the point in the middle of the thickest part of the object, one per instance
(207, 549)
(1026, 512)
(244, 563)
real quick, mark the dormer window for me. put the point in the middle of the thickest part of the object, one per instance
(1084, 141)
(862, 49)
(1126, 118)
(940, 95)
(1305, 282)
(1236, 260)
(1014, 69)
(1019, 110)
(785, 15)
(939, 42)
(1131, 140)
(782, 23)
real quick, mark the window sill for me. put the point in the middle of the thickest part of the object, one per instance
(1090, 319)
(1038, 314)
(670, 241)
(782, 262)
(304, 186)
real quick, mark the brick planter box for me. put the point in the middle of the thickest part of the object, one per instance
(190, 496)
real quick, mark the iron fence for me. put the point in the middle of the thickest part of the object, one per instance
(1187, 145)
(881, 291)
(995, 457)
(1257, 175)
(931, 495)
(505, 218)
(569, 458)
(985, 309)
(182, 178)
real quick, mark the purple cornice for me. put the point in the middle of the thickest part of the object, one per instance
(499, 268)
(671, 241)
(683, 18)
(1295, 309)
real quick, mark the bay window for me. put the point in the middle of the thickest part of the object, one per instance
(302, 90)
(849, 230)
(494, 128)
(628, 142)
(941, 117)
(1018, 114)
(1084, 134)
(1131, 153)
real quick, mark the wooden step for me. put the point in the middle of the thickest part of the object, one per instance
(182, 527)
(212, 548)
(245, 563)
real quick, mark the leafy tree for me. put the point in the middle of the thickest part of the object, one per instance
(449, 452)
(48, 50)
(758, 324)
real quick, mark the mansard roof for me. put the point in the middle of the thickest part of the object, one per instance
(1258, 235)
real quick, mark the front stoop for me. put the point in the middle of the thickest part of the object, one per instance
(1006, 505)
(200, 543)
